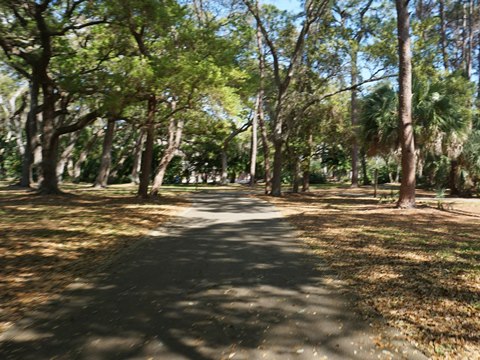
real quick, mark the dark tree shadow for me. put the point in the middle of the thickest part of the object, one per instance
(204, 291)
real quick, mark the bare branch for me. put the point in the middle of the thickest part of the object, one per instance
(348, 88)
(276, 66)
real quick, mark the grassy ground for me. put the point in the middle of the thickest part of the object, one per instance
(420, 269)
(48, 241)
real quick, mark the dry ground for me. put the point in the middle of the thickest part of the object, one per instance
(420, 269)
(48, 241)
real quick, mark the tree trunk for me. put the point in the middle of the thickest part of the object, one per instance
(261, 114)
(469, 62)
(306, 181)
(364, 167)
(147, 156)
(354, 118)
(224, 175)
(14, 114)
(397, 174)
(420, 165)
(265, 146)
(306, 163)
(65, 155)
(31, 135)
(254, 142)
(77, 167)
(296, 175)
(175, 130)
(478, 68)
(106, 160)
(137, 157)
(49, 184)
(277, 165)
(226, 143)
(453, 177)
(123, 155)
(443, 33)
(407, 187)
(467, 34)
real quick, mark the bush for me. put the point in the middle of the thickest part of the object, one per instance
(318, 178)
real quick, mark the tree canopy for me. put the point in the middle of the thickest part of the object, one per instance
(176, 79)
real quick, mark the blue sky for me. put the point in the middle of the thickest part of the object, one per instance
(285, 4)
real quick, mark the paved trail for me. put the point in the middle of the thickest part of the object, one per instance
(228, 280)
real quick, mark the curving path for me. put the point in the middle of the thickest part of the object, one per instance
(227, 280)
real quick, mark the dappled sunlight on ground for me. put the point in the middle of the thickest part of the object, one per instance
(419, 268)
(48, 241)
(228, 280)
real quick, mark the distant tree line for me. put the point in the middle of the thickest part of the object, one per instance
(151, 91)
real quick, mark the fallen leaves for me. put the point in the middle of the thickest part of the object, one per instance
(418, 268)
(48, 241)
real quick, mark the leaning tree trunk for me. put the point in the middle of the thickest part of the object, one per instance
(76, 169)
(147, 156)
(261, 114)
(31, 135)
(175, 130)
(407, 187)
(137, 157)
(66, 155)
(106, 160)
(123, 155)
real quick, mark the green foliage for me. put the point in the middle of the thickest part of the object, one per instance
(441, 111)
(471, 159)
(317, 178)
(379, 120)
(174, 171)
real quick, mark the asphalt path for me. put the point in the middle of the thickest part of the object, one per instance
(226, 279)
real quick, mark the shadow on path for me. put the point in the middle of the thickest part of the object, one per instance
(229, 280)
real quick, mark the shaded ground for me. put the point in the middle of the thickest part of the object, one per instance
(47, 242)
(228, 280)
(420, 269)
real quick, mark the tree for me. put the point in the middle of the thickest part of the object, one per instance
(30, 36)
(283, 77)
(407, 187)
(106, 160)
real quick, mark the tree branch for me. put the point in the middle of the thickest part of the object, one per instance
(273, 50)
(348, 88)
(80, 124)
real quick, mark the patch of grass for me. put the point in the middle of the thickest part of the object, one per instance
(47, 241)
(418, 268)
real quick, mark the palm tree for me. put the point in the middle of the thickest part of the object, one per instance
(379, 120)
(441, 113)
